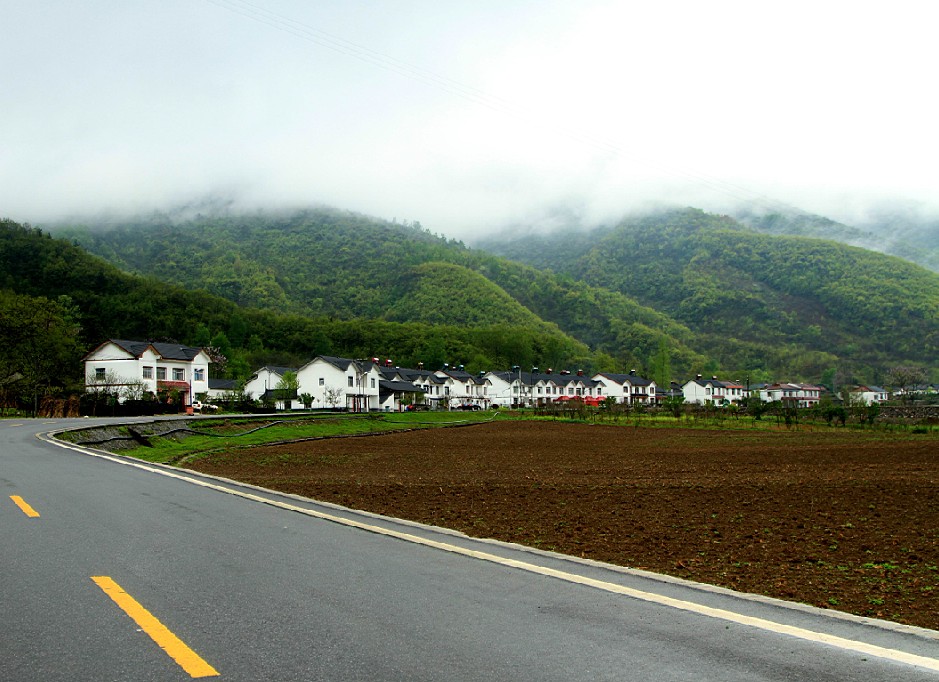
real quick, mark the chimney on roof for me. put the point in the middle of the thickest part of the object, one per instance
(549, 370)
(420, 365)
(714, 378)
(388, 362)
(632, 372)
(699, 377)
(580, 372)
(376, 361)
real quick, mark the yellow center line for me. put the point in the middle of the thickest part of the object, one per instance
(24, 506)
(187, 659)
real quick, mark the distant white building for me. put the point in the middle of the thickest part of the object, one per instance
(341, 383)
(625, 388)
(793, 395)
(701, 391)
(134, 368)
(868, 395)
(263, 384)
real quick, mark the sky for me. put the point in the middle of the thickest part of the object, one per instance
(466, 116)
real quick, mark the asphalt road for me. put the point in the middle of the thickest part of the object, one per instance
(247, 585)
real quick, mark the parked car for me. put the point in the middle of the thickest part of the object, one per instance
(417, 407)
(204, 407)
(469, 406)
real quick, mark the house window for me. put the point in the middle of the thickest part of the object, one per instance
(322, 381)
(350, 380)
(148, 372)
(161, 373)
(178, 374)
(99, 373)
(198, 375)
(373, 382)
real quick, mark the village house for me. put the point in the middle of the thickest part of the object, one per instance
(701, 391)
(503, 388)
(625, 388)
(464, 389)
(791, 395)
(221, 390)
(341, 383)
(262, 385)
(868, 395)
(133, 369)
(397, 388)
(516, 388)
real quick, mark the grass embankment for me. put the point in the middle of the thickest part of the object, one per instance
(205, 436)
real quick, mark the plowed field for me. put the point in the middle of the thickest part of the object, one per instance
(837, 519)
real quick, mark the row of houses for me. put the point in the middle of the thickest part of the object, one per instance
(361, 385)
(701, 391)
(370, 384)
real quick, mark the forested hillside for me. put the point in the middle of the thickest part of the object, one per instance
(52, 284)
(717, 295)
(324, 262)
(761, 301)
(895, 233)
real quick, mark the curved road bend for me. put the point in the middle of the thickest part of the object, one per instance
(132, 572)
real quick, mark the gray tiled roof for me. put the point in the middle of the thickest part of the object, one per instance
(169, 351)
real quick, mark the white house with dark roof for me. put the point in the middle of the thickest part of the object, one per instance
(625, 388)
(265, 381)
(132, 367)
(793, 395)
(712, 390)
(342, 383)
(868, 395)
(701, 391)
(395, 394)
(513, 388)
(436, 389)
(463, 388)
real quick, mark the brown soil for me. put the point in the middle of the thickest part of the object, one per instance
(841, 520)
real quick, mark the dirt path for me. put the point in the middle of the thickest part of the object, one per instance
(841, 520)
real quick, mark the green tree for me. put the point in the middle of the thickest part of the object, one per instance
(39, 343)
(904, 377)
(221, 343)
(202, 337)
(661, 365)
(286, 389)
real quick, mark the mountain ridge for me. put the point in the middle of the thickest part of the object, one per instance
(715, 290)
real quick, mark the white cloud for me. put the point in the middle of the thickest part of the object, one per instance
(467, 116)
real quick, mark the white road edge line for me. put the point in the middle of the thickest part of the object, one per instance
(700, 609)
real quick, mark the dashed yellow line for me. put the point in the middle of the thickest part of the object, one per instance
(24, 506)
(187, 659)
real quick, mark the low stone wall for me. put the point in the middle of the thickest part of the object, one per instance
(118, 437)
(916, 414)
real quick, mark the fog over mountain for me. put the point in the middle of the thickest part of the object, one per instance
(470, 116)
